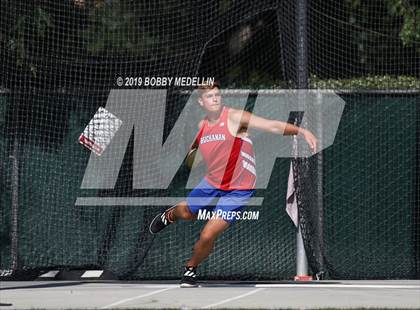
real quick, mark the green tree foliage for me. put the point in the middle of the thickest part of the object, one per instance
(371, 82)
(409, 11)
(32, 32)
(114, 26)
(25, 30)
(410, 31)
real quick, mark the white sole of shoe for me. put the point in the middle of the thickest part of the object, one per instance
(151, 223)
(186, 285)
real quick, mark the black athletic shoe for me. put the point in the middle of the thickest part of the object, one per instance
(159, 222)
(189, 277)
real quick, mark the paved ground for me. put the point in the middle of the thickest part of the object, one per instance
(104, 295)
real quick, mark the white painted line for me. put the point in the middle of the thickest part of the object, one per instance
(135, 297)
(231, 299)
(144, 201)
(50, 274)
(147, 286)
(92, 274)
(337, 286)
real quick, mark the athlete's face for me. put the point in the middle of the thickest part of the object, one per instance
(211, 100)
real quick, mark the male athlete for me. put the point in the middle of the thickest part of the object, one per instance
(227, 150)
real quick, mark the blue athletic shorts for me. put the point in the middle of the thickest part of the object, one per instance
(226, 204)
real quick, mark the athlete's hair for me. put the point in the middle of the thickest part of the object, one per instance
(207, 86)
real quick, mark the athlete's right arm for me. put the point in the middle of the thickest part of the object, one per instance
(247, 120)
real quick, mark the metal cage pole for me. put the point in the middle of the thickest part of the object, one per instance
(15, 205)
(302, 83)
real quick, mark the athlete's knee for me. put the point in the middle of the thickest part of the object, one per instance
(208, 236)
(183, 212)
(188, 215)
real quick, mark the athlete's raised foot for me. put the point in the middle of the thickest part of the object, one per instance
(161, 221)
(189, 277)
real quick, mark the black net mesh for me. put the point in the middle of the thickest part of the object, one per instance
(358, 200)
(354, 46)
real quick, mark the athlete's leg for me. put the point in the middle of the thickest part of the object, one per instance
(234, 200)
(200, 197)
(181, 212)
(177, 212)
(202, 249)
(205, 244)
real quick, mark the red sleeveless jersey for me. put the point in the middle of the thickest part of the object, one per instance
(230, 160)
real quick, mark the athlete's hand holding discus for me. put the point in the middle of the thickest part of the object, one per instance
(310, 138)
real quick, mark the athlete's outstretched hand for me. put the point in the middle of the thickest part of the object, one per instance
(310, 139)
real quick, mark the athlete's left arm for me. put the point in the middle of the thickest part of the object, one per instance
(248, 120)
